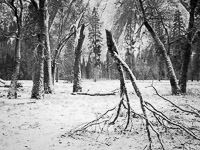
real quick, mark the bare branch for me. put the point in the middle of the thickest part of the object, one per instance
(183, 110)
(85, 126)
(159, 113)
(114, 53)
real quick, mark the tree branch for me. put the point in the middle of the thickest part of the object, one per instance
(160, 114)
(183, 110)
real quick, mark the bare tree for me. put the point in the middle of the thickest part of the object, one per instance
(17, 9)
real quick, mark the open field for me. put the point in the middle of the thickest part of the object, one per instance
(28, 124)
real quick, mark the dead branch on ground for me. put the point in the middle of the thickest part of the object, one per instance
(197, 113)
(93, 94)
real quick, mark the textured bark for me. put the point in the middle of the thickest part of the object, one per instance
(38, 80)
(77, 63)
(48, 85)
(188, 49)
(38, 75)
(12, 92)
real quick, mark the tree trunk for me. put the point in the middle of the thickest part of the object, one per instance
(77, 63)
(96, 73)
(48, 86)
(57, 74)
(38, 77)
(12, 92)
(188, 49)
(18, 14)
(161, 48)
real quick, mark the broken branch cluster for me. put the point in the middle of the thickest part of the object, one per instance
(155, 121)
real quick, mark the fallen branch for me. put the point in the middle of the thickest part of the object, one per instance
(93, 94)
(91, 123)
(26, 103)
(183, 110)
(114, 53)
(163, 116)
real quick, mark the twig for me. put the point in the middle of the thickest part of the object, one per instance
(159, 113)
(90, 123)
(187, 111)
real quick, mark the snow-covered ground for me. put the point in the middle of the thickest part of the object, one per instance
(28, 124)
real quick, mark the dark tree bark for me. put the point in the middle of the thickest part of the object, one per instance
(77, 63)
(57, 74)
(38, 79)
(161, 48)
(188, 49)
(12, 92)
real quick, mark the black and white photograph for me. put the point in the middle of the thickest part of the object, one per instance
(99, 74)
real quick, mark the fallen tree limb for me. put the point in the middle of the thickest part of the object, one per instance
(93, 94)
(26, 103)
(163, 116)
(89, 124)
(183, 110)
(114, 53)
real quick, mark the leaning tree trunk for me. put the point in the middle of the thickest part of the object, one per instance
(58, 49)
(77, 63)
(12, 92)
(161, 48)
(188, 49)
(114, 53)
